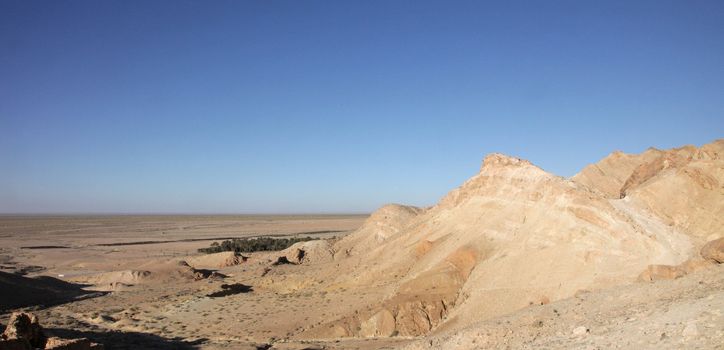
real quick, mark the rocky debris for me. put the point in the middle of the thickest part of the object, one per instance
(497, 160)
(684, 313)
(55, 343)
(714, 250)
(25, 326)
(420, 304)
(189, 272)
(25, 333)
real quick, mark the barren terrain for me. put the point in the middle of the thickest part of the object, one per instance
(625, 254)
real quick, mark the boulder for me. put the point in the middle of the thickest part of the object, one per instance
(661, 272)
(696, 264)
(25, 326)
(714, 250)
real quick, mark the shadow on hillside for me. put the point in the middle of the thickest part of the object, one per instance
(231, 289)
(43, 291)
(126, 340)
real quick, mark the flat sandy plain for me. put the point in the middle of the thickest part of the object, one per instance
(71, 245)
(170, 310)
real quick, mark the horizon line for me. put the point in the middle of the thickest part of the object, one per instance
(180, 214)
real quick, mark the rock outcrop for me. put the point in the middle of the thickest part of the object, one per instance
(309, 252)
(610, 174)
(55, 343)
(661, 272)
(24, 332)
(683, 187)
(25, 326)
(714, 251)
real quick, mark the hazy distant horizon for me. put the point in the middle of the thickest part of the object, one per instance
(81, 214)
(337, 107)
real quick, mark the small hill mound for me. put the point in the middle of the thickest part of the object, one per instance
(152, 272)
(125, 277)
(384, 223)
(309, 252)
(215, 260)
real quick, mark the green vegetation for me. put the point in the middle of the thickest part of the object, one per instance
(247, 245)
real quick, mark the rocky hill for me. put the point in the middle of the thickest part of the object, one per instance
(515, 235)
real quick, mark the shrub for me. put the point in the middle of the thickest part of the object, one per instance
(247, 245)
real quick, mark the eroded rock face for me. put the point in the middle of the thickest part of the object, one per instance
(647, 170)
(669, 272)
(419, 305)
(381, 324)
(24, 332)
(609, 175)
(25, 326)
(714, 250)
(415, 318)
(681, 186)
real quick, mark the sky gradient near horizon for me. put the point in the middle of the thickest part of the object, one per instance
(335, 106)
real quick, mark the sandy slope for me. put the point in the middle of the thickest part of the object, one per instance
(686, 313)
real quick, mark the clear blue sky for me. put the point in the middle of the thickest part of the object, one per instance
(335, 106)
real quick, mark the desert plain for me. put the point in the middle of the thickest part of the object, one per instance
(625, 254)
